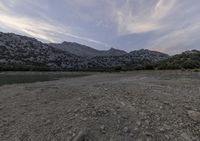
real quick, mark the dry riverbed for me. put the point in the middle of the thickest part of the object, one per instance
(131, 106)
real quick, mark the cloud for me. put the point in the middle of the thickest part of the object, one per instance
(3, 7)
(46, 30)
(41, 29)
(163, 8)
(166, 25)
(35, 28)
(146, 18)
(178, 40)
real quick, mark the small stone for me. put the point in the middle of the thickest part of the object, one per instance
(166, 102)
(133, 104)
(147, 122)
(142, 114)
(138, 123)
(148, 134)
(82, 110)
(161, 129)
(124, 116)
(71, 118)
(47, 122)
(1, 107)
(115, 113)
(94, 113)
(167, 137)
(126, 130)
(194, 115)
(119, 121)
(131, 135)
(102, 128)
(79, 99)
(186, 137)
(23, 105)
(136, 128)
(85, 119)
(83, 135)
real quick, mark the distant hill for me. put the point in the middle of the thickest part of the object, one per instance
(85, 51)
(25, 53)
(135, 60)
(186, 60)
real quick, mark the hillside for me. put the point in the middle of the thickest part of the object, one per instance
(24, 53)
(135, 60)
(186, 60)
(85, 51)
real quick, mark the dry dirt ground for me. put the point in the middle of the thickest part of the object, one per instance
(131, 106)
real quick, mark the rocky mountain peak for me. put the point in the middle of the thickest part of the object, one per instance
(25, 53)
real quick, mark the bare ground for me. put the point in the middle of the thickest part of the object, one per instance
(131, 106)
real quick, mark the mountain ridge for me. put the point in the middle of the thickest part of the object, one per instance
(187, 60)
(24, 53)
(86, 51)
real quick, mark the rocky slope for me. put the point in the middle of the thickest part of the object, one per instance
(186, 60)
(24, 53)
(131, 106)
(85, 51)
(140, 59)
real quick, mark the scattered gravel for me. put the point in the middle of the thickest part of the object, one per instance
(140, 106)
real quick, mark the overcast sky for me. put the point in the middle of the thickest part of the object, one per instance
(170, 26)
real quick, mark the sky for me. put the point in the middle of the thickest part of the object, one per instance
(170, 26)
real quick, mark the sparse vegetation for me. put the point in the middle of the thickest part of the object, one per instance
(186, 60)
(27, 54)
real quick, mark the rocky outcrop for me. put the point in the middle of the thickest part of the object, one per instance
(85, 51)
(140, 59)
(24, 53)
(186, 60)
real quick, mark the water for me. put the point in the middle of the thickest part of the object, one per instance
(31, 77)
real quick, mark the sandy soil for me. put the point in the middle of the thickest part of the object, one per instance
(131, 106)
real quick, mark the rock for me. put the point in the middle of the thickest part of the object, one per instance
(138, 123)
(147, 122)
(126, 130)
(115, 112)
(131, 135)
(124, 116)
(85, 119)
(82, 110)
(94, 113)
(167, 137)
(105, 89)
(149, 134)
(84, 136)
(23, 105)
(143, 115)
(47, 122)
(133, 104)
(161, 129)
(194, 115)
(166, 103)
(186, 137)
(102, 127)
(1, 108)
